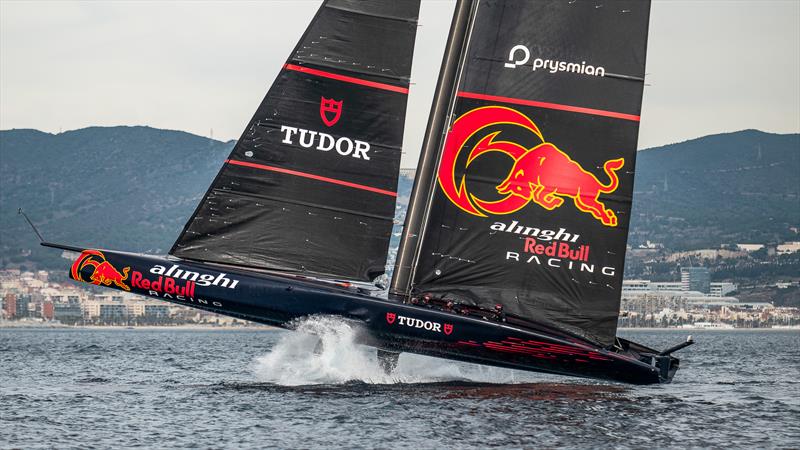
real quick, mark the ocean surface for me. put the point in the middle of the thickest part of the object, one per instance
(178, 388)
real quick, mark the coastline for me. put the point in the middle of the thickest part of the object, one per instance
(704, 329)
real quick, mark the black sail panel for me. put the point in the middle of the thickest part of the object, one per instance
(535, 179)
(311, 184)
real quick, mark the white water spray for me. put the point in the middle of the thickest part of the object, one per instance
(299, 359)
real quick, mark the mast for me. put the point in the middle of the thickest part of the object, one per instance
(431, 145)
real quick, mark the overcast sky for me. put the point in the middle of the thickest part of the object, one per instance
(713, 66)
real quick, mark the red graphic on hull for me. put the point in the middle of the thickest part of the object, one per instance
(390, 317)
(103, 272)
(539, 349)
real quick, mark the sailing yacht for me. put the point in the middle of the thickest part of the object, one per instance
(513, 246)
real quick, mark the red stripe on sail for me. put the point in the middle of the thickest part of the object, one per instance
(312, 177)
(346, 79)
(570, 108)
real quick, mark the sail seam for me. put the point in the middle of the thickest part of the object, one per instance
(312, 177)
(547, 105)
(251, 195)
(346, 79)
(411, 20)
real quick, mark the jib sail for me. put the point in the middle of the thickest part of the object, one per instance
(531, 197)
(311, 184)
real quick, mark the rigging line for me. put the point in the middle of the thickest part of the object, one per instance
(35, 230)
(294, 201)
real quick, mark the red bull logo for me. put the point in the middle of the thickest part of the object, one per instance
(543, 174)
(330, 111)
(103, 273)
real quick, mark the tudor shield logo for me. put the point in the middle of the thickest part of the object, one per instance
(330, 111)
(448, 328)
(390, 317)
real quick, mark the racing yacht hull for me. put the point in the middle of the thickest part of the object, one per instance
(390, 325)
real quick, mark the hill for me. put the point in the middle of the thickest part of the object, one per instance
(133, 188)
(129, 188)
(727, 188)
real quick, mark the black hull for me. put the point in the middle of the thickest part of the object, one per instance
(387, 324)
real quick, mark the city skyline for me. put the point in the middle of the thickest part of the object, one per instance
(33, 298)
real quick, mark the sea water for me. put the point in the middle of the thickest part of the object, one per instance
(316, 388)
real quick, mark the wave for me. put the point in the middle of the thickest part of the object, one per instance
(323, 350)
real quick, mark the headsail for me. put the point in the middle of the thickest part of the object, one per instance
(311, 184)
(534, 181)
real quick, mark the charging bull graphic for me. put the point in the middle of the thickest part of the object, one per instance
(103, 272)
(544, 174)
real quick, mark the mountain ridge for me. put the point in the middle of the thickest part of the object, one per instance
(133, 187)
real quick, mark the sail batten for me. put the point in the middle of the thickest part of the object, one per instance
(533, 186)
(311, 185)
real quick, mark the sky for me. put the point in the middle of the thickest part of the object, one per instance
(203, 66)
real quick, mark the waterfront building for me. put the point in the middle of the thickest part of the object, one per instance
(631, 286)
(148, 311)
(47, 310)
(635, 286)
(696, 279)
(666, 286)
(722, 289)
(10, 306)
(749, 247)
(23, 307)
(788, 247)
(68, 313)
(716, 289)
(104, 311)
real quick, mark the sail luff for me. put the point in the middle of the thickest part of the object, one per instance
(424, 180)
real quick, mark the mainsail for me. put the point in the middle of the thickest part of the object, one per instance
(311, 184)
(531, 197)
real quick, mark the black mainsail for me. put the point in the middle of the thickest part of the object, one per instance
(530, 202)
(310, 186)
